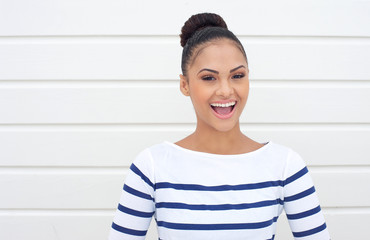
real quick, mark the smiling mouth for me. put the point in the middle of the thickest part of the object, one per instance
(223, 110)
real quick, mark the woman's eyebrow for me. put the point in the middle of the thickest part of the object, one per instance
(214, 71)
(234, 69)
(207, 69)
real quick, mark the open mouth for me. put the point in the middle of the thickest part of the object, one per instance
(223, 110)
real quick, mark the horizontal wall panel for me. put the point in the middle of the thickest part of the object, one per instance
(83, 190)
(54, 227)
(159, 58)
(342, 187)
(135, 59)
(114, 17)
(341, 225)
(167, 105)
(55, 189)
(118, 146)
(69, 226)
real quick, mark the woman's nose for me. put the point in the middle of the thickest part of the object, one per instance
(225, 89)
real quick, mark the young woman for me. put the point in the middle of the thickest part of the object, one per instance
(217, 183)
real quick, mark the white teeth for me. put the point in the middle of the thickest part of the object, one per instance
(223, 104)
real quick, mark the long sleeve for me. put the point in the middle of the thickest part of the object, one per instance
(301, 203)
(136, 205)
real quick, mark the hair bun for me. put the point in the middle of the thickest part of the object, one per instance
(200, 21)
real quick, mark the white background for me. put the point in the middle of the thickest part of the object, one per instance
(87, 84)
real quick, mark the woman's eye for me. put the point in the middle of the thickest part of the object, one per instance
(236, 76)
(208, 78)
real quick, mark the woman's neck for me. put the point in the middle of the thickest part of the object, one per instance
(212, 141)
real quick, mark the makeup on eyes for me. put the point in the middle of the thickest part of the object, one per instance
(211, 77)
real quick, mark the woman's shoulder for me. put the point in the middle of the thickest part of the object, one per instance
(289, 157)
(153, 151)
(281, 154)
(279, 148)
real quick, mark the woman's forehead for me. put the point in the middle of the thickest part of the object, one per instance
(222, 53)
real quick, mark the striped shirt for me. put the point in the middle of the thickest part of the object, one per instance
(196, 195)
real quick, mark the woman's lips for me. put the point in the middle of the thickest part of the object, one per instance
(224, 110)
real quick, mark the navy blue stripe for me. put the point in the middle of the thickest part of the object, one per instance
(309, 232)
(300, 195)
(137, 193)
(135, 212)
(177, 205)
(249, 186)
(221, 226)
(128, 230)
(273, 237)
(142, 175)
(197, 187)
(304, 214)
(297, 175)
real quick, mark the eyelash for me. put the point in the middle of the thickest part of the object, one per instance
(210, 78)
(238, 76)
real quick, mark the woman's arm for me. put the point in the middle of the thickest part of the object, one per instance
(136, 205)
(301, 203)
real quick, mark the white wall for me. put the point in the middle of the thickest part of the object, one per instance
(86, 85)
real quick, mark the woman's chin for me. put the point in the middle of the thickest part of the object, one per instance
(226, 126)
(213, 123)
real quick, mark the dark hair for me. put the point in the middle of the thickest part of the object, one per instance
(202, 28)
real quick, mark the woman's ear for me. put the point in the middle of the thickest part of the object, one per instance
(184, 85)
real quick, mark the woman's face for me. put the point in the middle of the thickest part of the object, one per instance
(218, 84)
